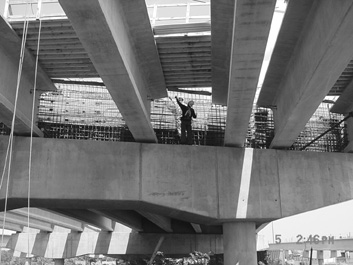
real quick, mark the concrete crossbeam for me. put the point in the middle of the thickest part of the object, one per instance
(221, 184)
(10, 49)
(121, 48)
(321, 54)
(67, 245)
(252, 22)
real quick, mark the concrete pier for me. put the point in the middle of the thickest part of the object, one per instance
(239, 240)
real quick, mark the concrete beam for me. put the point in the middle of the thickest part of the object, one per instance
(128, 218)
(322, 52)
(88, 217)
(222, 17)
(50, 217)
(343, 104)
(68, 245)
(10, 47)
(252, 22)
(292, 26)
(222, 184)
(118, 38)
(161, 221)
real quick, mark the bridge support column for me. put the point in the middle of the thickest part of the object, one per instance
(59, 261)
(239, 243)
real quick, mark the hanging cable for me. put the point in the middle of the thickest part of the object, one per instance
(8, 157)
(32, 124)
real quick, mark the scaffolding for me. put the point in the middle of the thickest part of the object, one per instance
(87, 112)
(79, 111)
(334, 140)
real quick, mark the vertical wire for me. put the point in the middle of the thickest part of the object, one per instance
(32, 127)
(10, 143)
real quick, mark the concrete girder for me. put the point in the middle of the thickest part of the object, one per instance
(121, 46)
(88, 217)
(50, 217)
(222, 17)
(221, 184)
(10, 47)
(319, 55)
(128, 218)
(23, 221)
(252, 22)
(159, 220)
(343, 104)
(67, 245)
(292, 26)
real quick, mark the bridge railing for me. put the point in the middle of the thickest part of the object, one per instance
(32, 9)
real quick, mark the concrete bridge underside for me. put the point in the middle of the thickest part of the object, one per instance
(206, 185)
(188, 190)
(209, 186)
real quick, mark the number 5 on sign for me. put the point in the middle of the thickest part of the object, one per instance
(278, 239)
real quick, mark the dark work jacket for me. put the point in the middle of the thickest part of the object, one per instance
(186, 116)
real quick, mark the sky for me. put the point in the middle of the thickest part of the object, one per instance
(336, 220)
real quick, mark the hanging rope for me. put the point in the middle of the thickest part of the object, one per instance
(8, 157)
(32, 125)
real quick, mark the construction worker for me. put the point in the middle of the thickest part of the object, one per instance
(187, 114)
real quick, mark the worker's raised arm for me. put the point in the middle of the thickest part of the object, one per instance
(180, 105)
